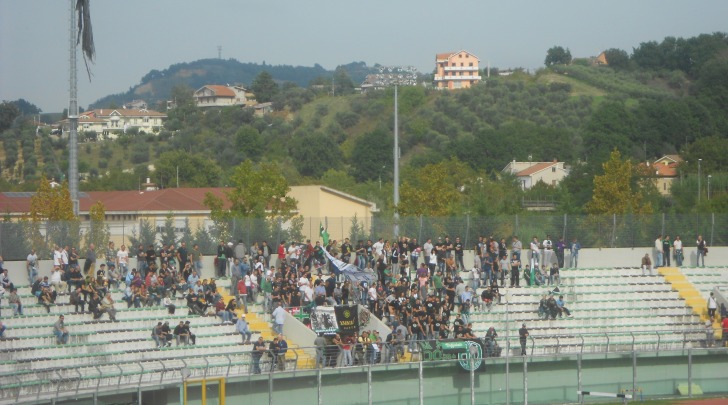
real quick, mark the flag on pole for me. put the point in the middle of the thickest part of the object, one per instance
(350, 271)
(324, 234)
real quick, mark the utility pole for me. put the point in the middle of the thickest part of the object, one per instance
(73, 115)
(396, 165)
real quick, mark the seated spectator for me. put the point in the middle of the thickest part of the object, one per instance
(107, 305)
(167, 303)
(159, 336)
(554, 276)
(222, 313)
(3, 328)
(114, 276)
(180, 334)
(193, 337)
(486, 298)
(552, 309)
(561, 306)
(77, 300)
(75, 278)
(5, 278)
(60, 331)
(542, 307)
(490, 343)
(94, 306)
(57, 279)
(243, 329)
(15, 302)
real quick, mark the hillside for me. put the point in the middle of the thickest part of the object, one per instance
(157, 85)
(574, 113)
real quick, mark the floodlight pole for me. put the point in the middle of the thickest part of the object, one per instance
(73, 115)
(396, 165)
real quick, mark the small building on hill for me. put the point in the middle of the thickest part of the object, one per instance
(213, 95)
(456, 70)
(530, 173)
(663, 171)
(109, 123)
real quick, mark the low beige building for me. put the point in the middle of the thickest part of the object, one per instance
(530, 173)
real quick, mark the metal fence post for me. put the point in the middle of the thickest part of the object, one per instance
(467, 230)
(472, 379)
(563, 234)
(525, 380)
(318, 386)
(578, 377)
(422, 382)
(690, 373)
(369, 384)
(270, 387)
(712, 227)
(515, 232)
(634, 370)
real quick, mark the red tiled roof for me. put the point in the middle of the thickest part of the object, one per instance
(537, 167)
(170, 199)
(124, 112)
(221, 91)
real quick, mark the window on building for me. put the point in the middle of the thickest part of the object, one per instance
(553, 169)
(471, 64)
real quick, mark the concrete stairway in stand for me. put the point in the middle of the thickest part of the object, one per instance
(687, 291)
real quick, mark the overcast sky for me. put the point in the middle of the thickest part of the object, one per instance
(134, 36)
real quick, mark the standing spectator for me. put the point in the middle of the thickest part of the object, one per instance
(90, 262)
(281, 352)
(574, 249)
(258, 351)
(182, 255)
(141, 260)
(60, 331)
(320, 344)
(243, 329)
(220, 260)
(712, 306)
(677, 248)
(515, 266)
(647, 265)
(724, 340)
(560, 247)
(122, 261)
(279, 315)
(709, 334)
(535, 253)
(658, 251)
(702, 250)
(666, 250)
(523, 338)
(31, 264)
(516, 247)
(459, 252)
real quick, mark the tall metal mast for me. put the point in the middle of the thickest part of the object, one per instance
(73, 114)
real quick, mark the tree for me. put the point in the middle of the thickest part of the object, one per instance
(342, 82)
(8, 113)
(53, 206)
(146, 235)
(257, 192)
(433, 190)
(168, 234)
(264, 87)
(617, 58)
(314, 153)
(557, 55)
(372, 152)
(249, 141)
(98, 232)
(615, 191)
(192, 170)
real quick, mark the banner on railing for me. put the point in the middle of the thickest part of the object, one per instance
(468, 352)
(347, 317)
(323, 320)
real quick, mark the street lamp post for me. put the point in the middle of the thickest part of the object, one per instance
(699, 175)
(709, 176)
(396, 165)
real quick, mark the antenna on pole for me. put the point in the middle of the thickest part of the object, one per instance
(219, 51)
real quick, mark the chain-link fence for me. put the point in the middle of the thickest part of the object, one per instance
(17, 238)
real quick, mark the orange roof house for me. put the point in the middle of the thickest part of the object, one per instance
(664, 172)
(530, 173)
(456, 70)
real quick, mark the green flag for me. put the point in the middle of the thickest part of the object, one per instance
(324, 235)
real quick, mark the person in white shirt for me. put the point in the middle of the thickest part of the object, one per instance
(658, 251)
(535, 253)
(64, 259)
(372, 295)
(32, 265)
(378, 247)
(122, 260)
(427, 249)
(712, 306)
(57, 260)
(279, 316)
(548, 249)
(677, 247)
(57, 279)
